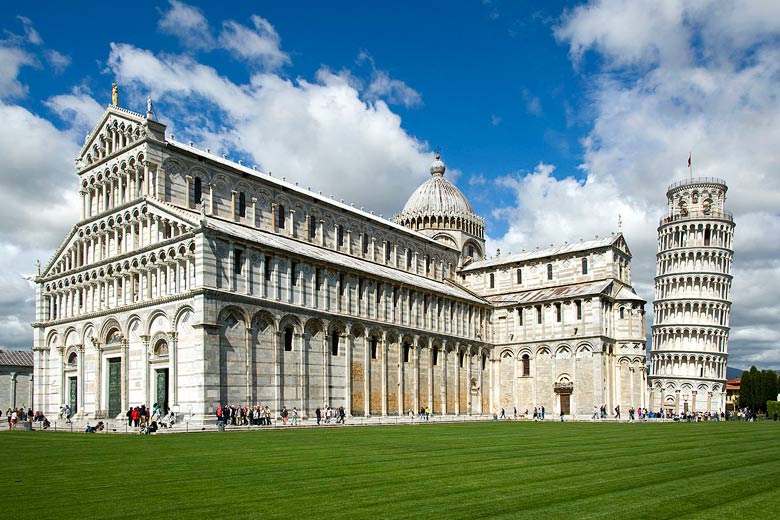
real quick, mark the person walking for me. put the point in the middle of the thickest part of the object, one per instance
(294, 416)
(318, 413)
(285, 413)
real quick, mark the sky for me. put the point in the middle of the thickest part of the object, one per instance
(554, 118)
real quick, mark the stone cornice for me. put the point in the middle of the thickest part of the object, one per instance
(114, 310)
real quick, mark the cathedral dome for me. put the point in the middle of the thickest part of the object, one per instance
(437, 196)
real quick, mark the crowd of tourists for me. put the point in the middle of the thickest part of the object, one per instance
(149, 421)
(236, 415)
(16, 416)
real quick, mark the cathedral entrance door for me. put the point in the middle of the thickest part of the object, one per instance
(72, 394)
(565, 403)
(161, 378)
(114, 387)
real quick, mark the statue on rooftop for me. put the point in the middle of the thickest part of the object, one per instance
(114, 95)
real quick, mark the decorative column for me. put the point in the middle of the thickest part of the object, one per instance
(145, 362)
(348, 373)
(383, 339)
(304, 404)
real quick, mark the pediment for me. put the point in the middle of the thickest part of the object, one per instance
(621, 244)
(117, 129)
(57, 265)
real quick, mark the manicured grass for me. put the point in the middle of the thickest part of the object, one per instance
(476, 470)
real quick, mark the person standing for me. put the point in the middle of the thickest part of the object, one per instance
(284, 415)
(294, 416)
(542, 412)
(318, 413)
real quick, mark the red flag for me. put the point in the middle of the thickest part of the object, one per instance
(689, 160)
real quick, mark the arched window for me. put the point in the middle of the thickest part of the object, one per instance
(492, 281)
(334, 343)
(408, 259)
(549, 271)
(484, 361)
(525, 363)
(435, 357)
(72, 359)
(340, 235)
(622, 313)
(406, 353)
(519, 276)
(471, 251)
(584, 266)
(373, 344)
(241, 205)
(288, 339)
(198, 191)
(280, 216)
(365, 243)
(461, 358)
(161, 348)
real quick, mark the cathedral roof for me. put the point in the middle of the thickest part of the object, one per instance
(575, 247)
(551, 293)
(16, 358)
(437, 196)
(315, 253)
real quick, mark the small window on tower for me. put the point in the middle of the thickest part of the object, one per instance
(519, 276)
(549, 272)
(492, 281)
(584, 266)
(241, 205)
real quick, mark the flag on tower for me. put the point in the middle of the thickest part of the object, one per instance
(689, 160)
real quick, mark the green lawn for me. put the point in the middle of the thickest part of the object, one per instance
(509, 470)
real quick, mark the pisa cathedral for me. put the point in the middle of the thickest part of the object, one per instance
(191, 280)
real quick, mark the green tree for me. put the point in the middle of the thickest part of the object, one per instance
(768, 387)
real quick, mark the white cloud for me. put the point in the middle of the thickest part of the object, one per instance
(395, 91)
(495, 120)
(260, 46)
(321, 133)
(382, 86)
(532, 103)
(188, 24)
(58, 61)
(677, 76)
(30, 33)
(11, 60)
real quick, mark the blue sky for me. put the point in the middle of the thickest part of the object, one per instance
(553, 117)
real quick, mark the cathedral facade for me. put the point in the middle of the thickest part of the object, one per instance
(191, 280)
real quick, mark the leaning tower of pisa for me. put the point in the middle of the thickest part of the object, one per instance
(692, 299)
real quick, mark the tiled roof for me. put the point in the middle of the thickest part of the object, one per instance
(305, 192)
(16, 358)
(551, 293)
(316, 253)
(627, 293)
(543, 253)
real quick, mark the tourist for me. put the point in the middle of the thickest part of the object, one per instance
(285, 413)
(294, 416)
(342, 415)
(427, 413)
(541, 411)
(129, 416)
(318, 413)
(595, 412)
(617, 412)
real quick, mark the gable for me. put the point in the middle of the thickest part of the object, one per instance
(69, 255)
(117, 129)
